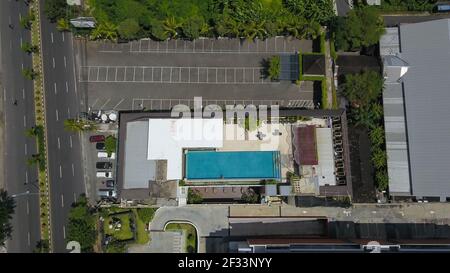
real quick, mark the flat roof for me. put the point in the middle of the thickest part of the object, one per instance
(325, 169)
(168, 137)
(305, 145)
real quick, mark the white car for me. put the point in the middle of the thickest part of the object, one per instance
(104, 174)
(104, 193)
(105, 155)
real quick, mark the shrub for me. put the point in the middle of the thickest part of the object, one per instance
(274, 68)
(194, 197)
(110, 144)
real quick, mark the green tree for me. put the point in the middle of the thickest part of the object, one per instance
(377, 135)
(158, 32)
(274, 68)
(105, 30)
(29, 48)
(62, 25)
(42, 246)
(128, 29)
(361, 28)
(361, 89)
(7, 205)
(191, 29)
(172, 26)
(250, 197)
(55, 9)
(29, 74)
(194, 197)
(110, 144)
(81, 227)
(26, 21)
(78, 125)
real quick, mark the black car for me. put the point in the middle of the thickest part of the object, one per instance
(109, 183)
(100, 145)
(103, 165)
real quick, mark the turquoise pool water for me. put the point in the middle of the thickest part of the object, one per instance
(203, 165)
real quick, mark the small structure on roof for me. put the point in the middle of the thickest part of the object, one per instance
(289, 67)
(313, 64)
(83, 22)
(305, 145)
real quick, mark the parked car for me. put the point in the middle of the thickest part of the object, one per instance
(100, 146)
(109, 183)
(107, 193)
(97, 138)
(104, 174)
(105, 155)
(103, 165)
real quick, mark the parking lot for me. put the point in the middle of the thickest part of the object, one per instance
(154, 75)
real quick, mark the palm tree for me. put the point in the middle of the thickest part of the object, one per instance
(78, 125)
(29, 48)
(106, 31)
(29, 73)
(171, 26)
(62, 25)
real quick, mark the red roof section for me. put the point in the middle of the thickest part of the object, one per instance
(305, 145)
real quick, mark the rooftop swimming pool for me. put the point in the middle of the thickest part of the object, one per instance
(213, 165)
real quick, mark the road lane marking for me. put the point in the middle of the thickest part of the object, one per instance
(4, 94)
(56, 90)
(64, 232)
(74, 198)
(68, 112)
(28, 208)
(59, 144)
(67, 87)
(57, 115)
(23, 93)
(22, 66)
(62, 201)
(51, 35)
(25, 121)
(26, 177)
(63, 36)
(73, 170)
(54, 65)
(26, 149)
(60, 171)
(70, 140)
(29, 239)
(65, 61)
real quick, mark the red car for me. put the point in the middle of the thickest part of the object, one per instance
(97, 138)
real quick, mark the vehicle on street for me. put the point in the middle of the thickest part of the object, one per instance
(105, 155)
(109, 183)
(104, 174)
(103, 165)
(100, 146)
(107, 193)
(97, 138)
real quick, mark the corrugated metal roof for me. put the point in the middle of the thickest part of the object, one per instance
(426, 47)
(138, 171)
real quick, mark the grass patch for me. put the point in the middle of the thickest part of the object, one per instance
(324, 94)
(190, 233)
(110, 144)
(322, 43)
(122, 233)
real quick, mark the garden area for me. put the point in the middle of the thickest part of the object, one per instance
(407, 5)
(189, 232)
(191, 19)
(125, 226)
(364, 93)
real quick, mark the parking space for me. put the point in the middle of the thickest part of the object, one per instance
(165, 74)
(118, 77)
(275, 45)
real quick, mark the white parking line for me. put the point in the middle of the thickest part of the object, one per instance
(60, 171)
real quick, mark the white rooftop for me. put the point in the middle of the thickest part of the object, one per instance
(325, 169)
(168, 137)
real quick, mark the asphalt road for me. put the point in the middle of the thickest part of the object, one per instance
(19, 177)
(62, 102)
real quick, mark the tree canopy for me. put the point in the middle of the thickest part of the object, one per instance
(362, 27)
(81, 226)
(361, 89)
(7, 205)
